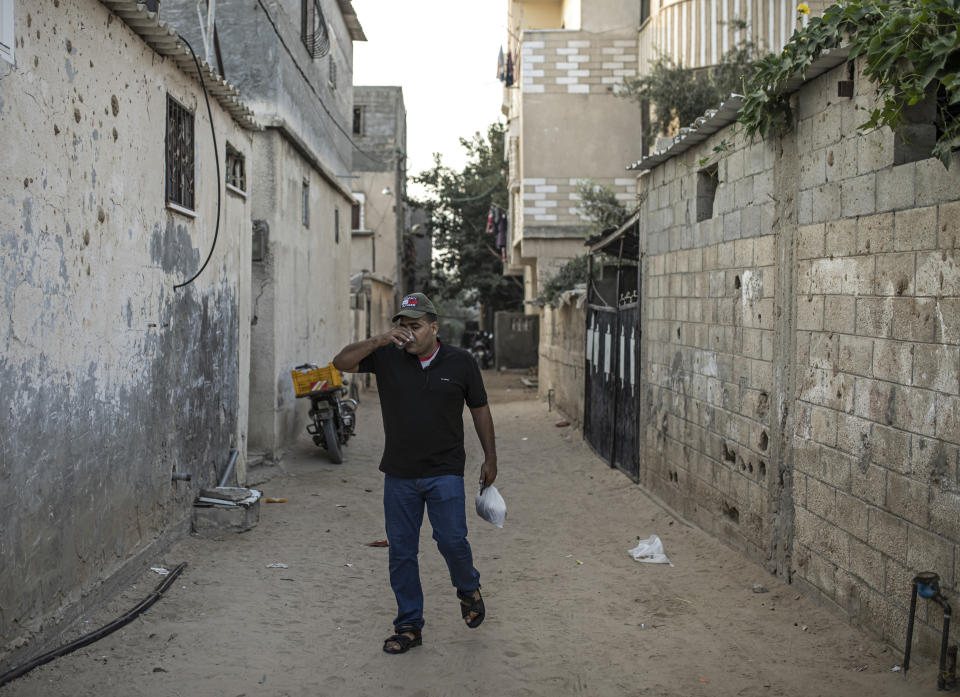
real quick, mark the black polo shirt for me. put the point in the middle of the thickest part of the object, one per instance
(423, 409)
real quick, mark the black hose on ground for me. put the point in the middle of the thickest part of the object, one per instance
(97, 634)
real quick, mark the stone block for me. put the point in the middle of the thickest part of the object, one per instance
(812, 166)
(875, 151)
(824, 350)
(858, 196)
(842, 160)
(948, 320)
(896, 187)
(839, 313)
(916, 229)
(935, 183)
(938, 273)
(823, 425)
(875, 234)
(816, 533)
(913, 319)
(743, 252)
(841, 237)
(859, 275)
(851, 515)
(927, 551)
(887, 533)
(945, 514)
(731, 225)
(908, 499)
(805, 207)
(948, 418)
(810, 312)
(817, 571)
(893, 361)
(937, 367)
(821, 498)
(853, 436)
(214, 520)
(949, 233)
(855, 355)
(826, 202)
(866, 563)
(764, 254)
(890, 448)
(895, 274)
(836, 469)
(869, 484)
(874, 316)
(897, 576)
(751, 221)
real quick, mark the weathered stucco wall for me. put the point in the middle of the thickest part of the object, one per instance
(561, 366)
(801, 355)
(110, 378)
(301, 307)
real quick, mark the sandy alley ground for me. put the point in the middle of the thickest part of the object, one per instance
(231, 627)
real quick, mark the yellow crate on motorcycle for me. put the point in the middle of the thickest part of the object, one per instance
(310, 378)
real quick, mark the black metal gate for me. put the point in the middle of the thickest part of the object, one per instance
(610, 420)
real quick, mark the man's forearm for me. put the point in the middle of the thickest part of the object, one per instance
(350, 356)
(483, 422)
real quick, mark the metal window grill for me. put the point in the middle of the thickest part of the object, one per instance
(236, 169)
(180, 172)
(313, 29)
(332, 78)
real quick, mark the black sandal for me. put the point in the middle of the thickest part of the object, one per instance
(401, 638)
(469, 604)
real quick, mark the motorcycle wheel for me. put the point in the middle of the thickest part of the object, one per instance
(333, 444)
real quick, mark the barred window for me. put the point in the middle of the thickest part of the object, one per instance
(336, 225)
(313, 29)
(180, 172)
(236, 169)
(357, 120)
(332, 77)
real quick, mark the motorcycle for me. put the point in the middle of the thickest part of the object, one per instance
(332, 417)
(482, 351)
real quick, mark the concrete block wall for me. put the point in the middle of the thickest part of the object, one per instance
(801, 356)
(877, 365)
(561, 366)
(708, 290)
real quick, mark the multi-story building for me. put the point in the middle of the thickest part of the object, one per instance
(294, 61)
(565, 124)
(379, 130)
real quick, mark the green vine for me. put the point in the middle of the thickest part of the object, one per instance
(910, 52)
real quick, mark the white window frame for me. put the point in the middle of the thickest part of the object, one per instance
(7, 26)
(362, 200)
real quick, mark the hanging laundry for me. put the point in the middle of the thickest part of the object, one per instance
(501, 66)
(489, 228)
(508, 79)
(501, 226)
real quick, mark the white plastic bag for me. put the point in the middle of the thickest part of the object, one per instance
(650, 550)
(491, 506)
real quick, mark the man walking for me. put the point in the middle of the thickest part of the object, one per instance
(423, 385)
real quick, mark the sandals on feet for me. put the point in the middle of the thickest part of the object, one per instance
(472, 606)
(402, 639)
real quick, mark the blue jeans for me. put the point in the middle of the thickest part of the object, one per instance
(403, 501)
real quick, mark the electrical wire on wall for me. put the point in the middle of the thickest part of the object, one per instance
(216, 156)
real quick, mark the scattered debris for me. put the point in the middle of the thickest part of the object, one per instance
(349, 565)
(277, 565)
(263, 679)
(860, 669)
(896, 669)
(524, 438)
(760, 588)
(378, 543)
(650, 550)
(579, 562)
(273, 500)
(561, 424)
(341, 505)
(158, 669)
(159, 570)
(803, 627)
(369, 491)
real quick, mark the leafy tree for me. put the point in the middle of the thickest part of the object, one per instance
(600, 206)
(679, 95)
(466, 265)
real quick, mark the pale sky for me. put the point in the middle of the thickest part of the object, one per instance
(444, 55)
